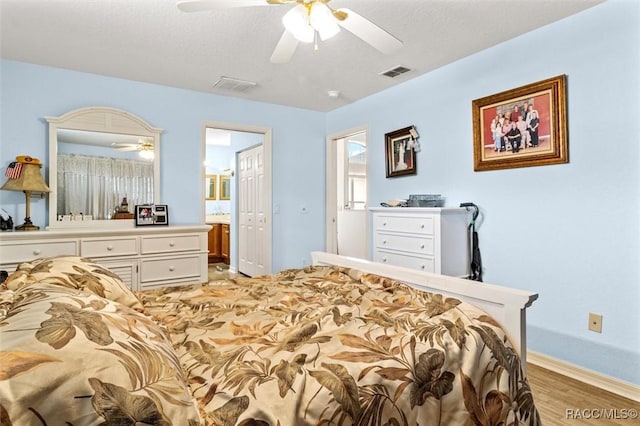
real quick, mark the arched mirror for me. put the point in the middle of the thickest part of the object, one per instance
(102, 162)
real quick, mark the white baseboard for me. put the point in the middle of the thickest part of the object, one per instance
(610, 384)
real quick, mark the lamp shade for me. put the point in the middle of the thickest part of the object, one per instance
(30, 179)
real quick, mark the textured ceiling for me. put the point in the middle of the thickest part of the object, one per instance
(153, 41)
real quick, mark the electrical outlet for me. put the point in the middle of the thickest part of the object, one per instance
(595, 322)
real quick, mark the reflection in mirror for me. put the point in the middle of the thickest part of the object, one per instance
(225, 187)
(102, 162)
(101, 174)
(210, 187)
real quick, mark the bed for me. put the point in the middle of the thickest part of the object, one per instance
(342, 342)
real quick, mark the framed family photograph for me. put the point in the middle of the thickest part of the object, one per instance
(399, 153)
(521, 127)
(151, 214)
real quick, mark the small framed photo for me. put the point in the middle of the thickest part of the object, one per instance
(521, 127)
(399, 153)
(151, 214)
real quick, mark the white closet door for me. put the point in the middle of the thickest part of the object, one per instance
(251, 221)
(260, 213)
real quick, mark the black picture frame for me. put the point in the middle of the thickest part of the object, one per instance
(400, 157)
(151, 215)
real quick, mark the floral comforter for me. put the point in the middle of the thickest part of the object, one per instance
(333, 346)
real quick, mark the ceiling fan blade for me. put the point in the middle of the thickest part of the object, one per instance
(285, 48)
(369, 32)
(204, 5)
(128, 148)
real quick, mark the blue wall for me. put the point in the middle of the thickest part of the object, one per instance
(31, 92)
(569, 232)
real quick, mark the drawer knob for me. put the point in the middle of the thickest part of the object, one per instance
(37, 252)
(384, 223)
(172, 268)
(422, 226)
(171, 244)
(422, 267)
(422, 246)
(109, 248)
(384, 241)
(384, 259)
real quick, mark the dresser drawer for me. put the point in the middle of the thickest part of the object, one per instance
(26, 251)
(419, 245)
(405, 224)
(105, 247)
(169, 269)
(126, 270)
(169, 244)
(426, 264)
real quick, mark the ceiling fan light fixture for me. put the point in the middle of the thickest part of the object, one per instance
(322, 20)
(146, 154)
(296, 21)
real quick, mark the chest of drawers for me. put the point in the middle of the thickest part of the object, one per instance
(142, 257)
(427, 239)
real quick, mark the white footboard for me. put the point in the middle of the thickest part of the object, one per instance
(506, 305)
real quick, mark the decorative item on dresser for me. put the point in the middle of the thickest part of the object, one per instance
(121, 215)
(424, 238)
(156, 214)
(141, 257)
(24, 175)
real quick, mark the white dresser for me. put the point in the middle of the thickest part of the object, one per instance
(142, 257)
(423, 238)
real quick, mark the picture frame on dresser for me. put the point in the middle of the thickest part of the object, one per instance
(155, 214)
(400, 157)
(521, 127)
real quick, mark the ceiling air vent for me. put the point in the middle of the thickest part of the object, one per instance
(395, 71)
(233, 84)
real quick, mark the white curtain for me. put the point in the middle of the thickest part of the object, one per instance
(96, 185)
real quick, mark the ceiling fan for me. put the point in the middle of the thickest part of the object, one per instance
(305, 22)
(144, 147)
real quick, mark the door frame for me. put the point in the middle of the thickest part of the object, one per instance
(266, 133)
(331, 184)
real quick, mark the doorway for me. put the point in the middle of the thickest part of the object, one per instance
(222, 161)
(347, 191)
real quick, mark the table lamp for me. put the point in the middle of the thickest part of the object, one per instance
(24, 175)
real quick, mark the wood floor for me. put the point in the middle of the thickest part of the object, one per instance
(565, 401)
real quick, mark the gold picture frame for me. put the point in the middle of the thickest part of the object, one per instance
(210, 187)
(225, 187)
(498, 146)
